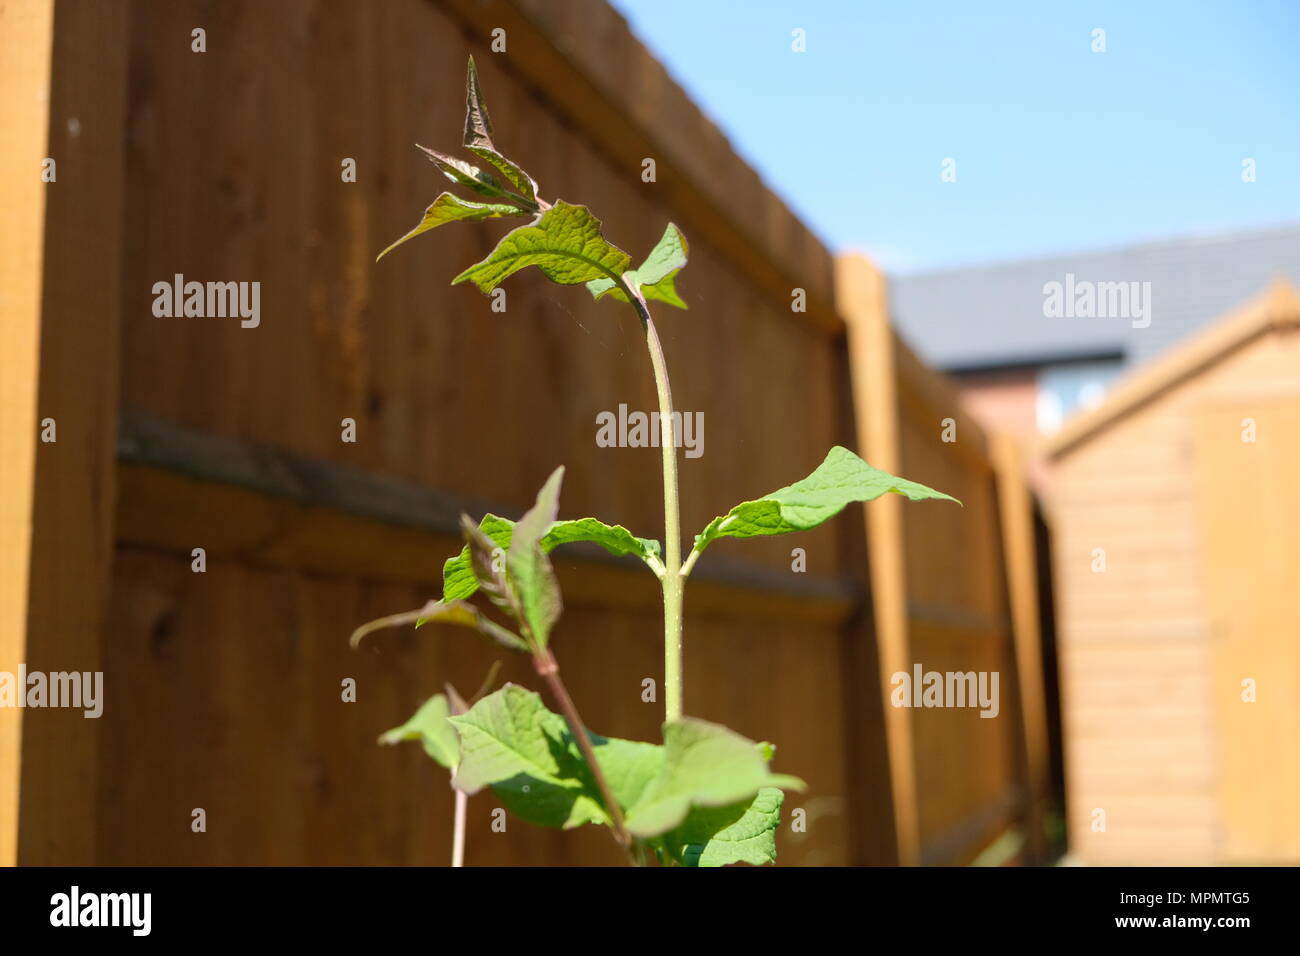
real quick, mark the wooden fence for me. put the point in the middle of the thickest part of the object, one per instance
(953, 592)
(223, 687)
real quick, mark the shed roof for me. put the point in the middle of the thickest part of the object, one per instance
(992, 316)
(1276, 309)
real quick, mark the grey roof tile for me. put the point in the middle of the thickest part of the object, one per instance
(992, 316)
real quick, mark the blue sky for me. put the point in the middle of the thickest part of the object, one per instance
(1057, 148)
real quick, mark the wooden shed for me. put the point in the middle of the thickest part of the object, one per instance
(1174, 511)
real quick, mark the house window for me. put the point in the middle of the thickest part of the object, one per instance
(1070, 387)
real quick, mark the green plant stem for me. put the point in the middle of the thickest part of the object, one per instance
(458, 830)
(549, 669)
(456, 704)
(672, 580)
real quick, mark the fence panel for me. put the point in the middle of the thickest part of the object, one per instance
(224, 687)
(941, 593)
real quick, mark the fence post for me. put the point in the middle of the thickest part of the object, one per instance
(860, 294)
(25, 62)
(1019, 557)
(59, 281)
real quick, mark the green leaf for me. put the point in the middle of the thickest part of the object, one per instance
(449, 208)
(705, 796)
(528, 568)
(614, 538)
(458, 578)
(478, 137)
(488, 566)
(842, 478)
(512, 743)
(513, 173)
(466, 174)
(744, 832)
(467, 615)
(527, 755)
(666, 259)
(430, 726)
(655, 275)
(663, 291)
(565, 243)
(704, 765)
(445, 612)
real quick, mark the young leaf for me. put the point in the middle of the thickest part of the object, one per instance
(466, 174)
(449, 208)
(614, 538)
(478, 125)
(528, 568)
(842, 478)
(704, 765)
(480, 180)
(513, 173)
(655, 275)
(466, 615)
(458, 578)
(744, 832)
(486, 568)
(430, 726)
(725, 805)
(565, 243)
(527, 755)
(478, 137)
(445, 612)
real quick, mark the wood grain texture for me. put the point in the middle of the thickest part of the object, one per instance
(604, 82)
(233, 174)
(225, 685)
(25, 47)
(1016, 508)
(236, 673)
(71, 519)
(939, 591)
(1184, 512)
(860, 290)
(1252, 561)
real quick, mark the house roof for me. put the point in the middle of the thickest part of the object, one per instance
(1279, 308)
(993, 316)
